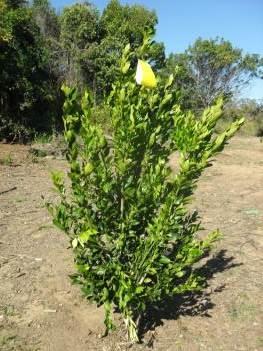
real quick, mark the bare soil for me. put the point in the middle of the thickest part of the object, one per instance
(41, 310)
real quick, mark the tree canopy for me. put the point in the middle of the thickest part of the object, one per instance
(40, 49)
(25, 85)
(211, 68)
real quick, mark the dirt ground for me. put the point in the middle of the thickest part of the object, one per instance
(41, 310)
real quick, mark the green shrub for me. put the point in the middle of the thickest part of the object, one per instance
(252, 112)
(134, 239)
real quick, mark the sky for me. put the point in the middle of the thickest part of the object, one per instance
(181, 22)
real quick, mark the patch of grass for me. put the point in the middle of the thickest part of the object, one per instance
(43, 138)
(12, 342)
(35, 159)
(7, 339)
(252, 212)
(260, 341)
(39, 153)
(8, 310)
(242, 310)
(6, 161)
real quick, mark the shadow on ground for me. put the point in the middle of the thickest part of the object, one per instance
(189, 304)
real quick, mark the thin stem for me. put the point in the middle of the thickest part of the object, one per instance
(131, 328)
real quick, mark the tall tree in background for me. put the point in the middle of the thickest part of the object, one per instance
(46, 18)
(39, 50)
(80, 35)
(24, 81)
(127, 24)
(212, 68)
(48, 22)
(91, 45)
(120, 25)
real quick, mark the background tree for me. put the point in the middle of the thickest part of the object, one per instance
(91, 44)
(120, 25)
(48, 22)
(128, 24)
(46, 18)
(210, 68)
(80, 34)
(24, 81)
(41, 49)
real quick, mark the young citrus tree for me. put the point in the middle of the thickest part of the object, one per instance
(126, 214)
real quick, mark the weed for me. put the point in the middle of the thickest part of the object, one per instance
(8, 310)
(7, 339)
(43, 138)
(7, 161)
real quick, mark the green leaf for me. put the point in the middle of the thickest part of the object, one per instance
(139, 289)
(164, 260)
(126, 49)
(126, 67)
(85, 236)
(180, 274)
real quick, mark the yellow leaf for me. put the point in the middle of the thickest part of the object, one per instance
(74, 243)
(144, 75)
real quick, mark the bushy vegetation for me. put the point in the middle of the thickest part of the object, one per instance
(41, 49)
(251, 110)
(28, 95)
(134, 239)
